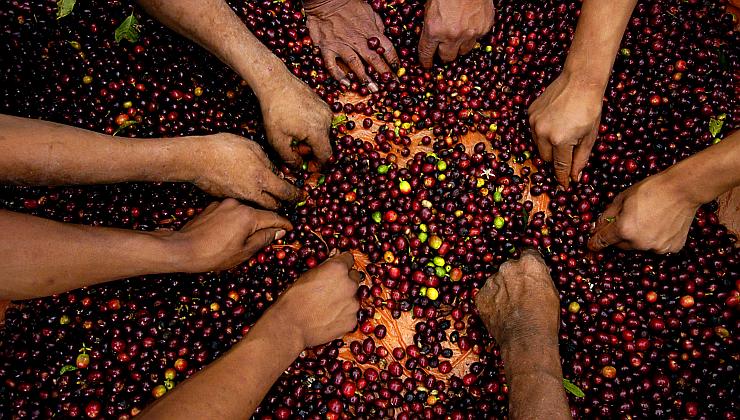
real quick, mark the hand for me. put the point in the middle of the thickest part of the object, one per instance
(322, 304)
(565, 122)
(292, 111)
(341, 29)
(453, 27)
(224, 235)
(520, 302)
(653, 214)
(231, 166)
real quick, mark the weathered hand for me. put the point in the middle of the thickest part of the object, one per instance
(224, 235)
(322, 304)
(565, 121)
(342, 28)
(653, 215)
(453, 27)
(520, 302)
(227, 165)
(293, 112)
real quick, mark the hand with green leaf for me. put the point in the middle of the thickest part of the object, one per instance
(292, 113)
(656, 213)
(520, 308)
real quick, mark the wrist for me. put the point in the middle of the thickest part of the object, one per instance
(279, 322)
(531, 357)
(589, 81)
(686, 190)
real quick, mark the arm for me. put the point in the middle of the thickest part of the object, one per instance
(42, 257)
(34, 152)
(520, 307)
(656, 213)
(565, 118)
(233, 386)
(453, 28)
(289, 108)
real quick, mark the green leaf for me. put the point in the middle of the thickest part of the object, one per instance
(126, 124)
(715, 124)
(64, 7)
(128, 29)
(573, 388)
(66, 368)
(338, 120)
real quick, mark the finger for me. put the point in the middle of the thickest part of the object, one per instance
(282, 146)
(265, 200)
(604, 237)
(610, 214)
(543, 146)
(264, 219)
(211, 207)
(319, 142)
(346, 258)
(427, 48)
(282, 189)
(563, 158)
(330, 61)
(355, 275)
(355, 64)
(375, 60)
(581, 154)
(466, 46)
(448, 51)
(261, 239)
(390, 52)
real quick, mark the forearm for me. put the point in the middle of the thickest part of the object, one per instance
(709, 173)
(535, 382)
(233, 386)
(41, 257)
(213, 25)
(34, 152)
(598, 34)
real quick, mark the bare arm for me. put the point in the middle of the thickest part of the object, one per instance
(233, 386)
(213, 25)
(41, 257)
(656, 213)
(291, 111)
(34, 152)
(565, 118)
(520, 307)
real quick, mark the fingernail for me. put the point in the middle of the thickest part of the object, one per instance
(373, 87)
(279, 234)
(345, 82)
(578, 178)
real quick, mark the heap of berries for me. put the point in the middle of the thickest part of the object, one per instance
(428, 213)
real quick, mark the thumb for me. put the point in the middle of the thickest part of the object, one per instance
(262, 238)
(604, 237)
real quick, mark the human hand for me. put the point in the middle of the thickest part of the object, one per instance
(342, 29)
(292, 111)
(653, 214)
(228, 165)
(453, 27)
(520, 302)
(224, 235)
(322, 304)
(565, 121)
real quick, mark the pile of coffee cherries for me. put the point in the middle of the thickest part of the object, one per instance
(428, 215)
